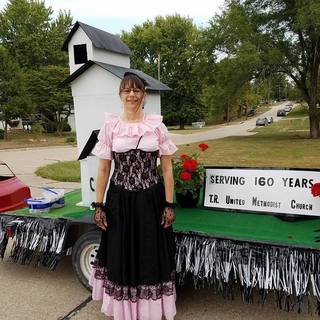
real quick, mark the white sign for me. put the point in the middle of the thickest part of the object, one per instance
(262, 190)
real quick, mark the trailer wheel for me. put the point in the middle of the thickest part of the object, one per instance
(84, 252)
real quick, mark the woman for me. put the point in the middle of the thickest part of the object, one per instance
(134, 270)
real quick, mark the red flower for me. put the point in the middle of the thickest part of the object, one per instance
(185, 176)
(203, 146)
(315, 189)
(184, 156)
(190, 165)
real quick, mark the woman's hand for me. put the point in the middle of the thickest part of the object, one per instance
(168, 217)
(100, 218)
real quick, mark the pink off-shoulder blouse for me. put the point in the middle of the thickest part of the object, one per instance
(120, 136)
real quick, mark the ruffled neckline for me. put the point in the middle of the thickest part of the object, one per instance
(122, 128)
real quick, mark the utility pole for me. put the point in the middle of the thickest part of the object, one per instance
(228, 111)
(159, 66)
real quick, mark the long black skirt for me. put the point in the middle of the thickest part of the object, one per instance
(136, 249)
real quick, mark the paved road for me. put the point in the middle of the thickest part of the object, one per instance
(24, 163)
(239, 129)
(29, 293)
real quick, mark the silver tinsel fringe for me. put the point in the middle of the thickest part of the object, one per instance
(38, 241)
(227, 265)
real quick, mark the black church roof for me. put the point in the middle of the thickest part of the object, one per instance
(151, 83)
(93, 139)
(100, 39)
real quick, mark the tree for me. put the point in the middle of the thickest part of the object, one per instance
(278, 86)
(53, 103)
(59, 30)
(14, 101)
(286, 35)
(229, 82)
(174, 39)
(31, 36)
(293, 28)
(234, 67)
(33, 39)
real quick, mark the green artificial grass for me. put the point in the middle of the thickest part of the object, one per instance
(228, 225)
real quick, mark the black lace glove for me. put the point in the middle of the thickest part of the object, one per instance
(100, 217)
(168, 216)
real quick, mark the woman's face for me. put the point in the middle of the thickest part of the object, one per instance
(132, 98)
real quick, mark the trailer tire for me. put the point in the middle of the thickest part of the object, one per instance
(84, 252)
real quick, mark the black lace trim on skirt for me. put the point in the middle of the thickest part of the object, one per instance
(147, 292)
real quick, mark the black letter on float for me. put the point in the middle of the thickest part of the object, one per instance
(91, 184)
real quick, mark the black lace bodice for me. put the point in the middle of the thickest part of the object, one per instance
(135, 169)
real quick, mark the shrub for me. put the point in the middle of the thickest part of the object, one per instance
(71, 139)
(1, 134)
(37, 128)
(65, 126)
(50, 126)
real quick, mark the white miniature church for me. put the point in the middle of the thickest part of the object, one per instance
(98, 61)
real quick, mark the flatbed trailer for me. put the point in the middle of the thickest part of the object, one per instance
(226, 250)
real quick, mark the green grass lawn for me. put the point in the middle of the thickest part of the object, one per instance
(261, 150)
(19, 138)
(299, 112)
(61, 171)
(284, 144)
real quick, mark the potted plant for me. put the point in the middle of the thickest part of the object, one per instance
(188, 176)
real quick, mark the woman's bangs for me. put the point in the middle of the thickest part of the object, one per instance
(131, 81)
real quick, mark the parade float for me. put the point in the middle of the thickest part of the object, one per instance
(253, 230)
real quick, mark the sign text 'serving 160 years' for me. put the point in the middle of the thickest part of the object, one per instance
(262, 190)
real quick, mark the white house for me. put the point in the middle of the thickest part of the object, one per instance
(98, 61)
(17, 124)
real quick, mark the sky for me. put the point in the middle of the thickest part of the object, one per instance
(117, 15)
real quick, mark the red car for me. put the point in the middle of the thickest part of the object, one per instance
(13, 192)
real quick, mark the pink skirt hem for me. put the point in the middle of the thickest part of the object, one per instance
(126, 310)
